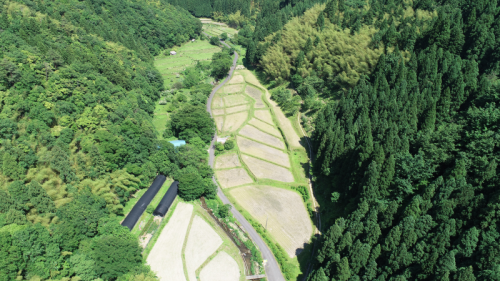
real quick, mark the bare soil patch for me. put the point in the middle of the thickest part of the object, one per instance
(218, 111)
(237, 79)
(219, 122)
(287, 218)
(227, 161)
(229, 89)
(166, 256)
(234, 121)
(234, 100)
(263, 151)
(233, 177)
(256, 134)
(264, 115)
(221, 268)
(202, 242)
(256, 94)
(265, 170)
(265, 127)
(238, 108)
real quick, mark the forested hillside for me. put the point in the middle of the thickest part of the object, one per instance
(407, 146)
(77, 94)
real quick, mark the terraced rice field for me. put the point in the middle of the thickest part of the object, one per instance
(166, 257)
(265, 170)
(233, 177)
(264, 115)
(285, 213)
(262, 151)
(234, 121)
(225, 161)
(256, 134)
(219, 122)
(202, 242)
(265, 127)
(238, 108)
(237, 79)
(231, 89)
(221, 268)
(233, 100)
(256, 94)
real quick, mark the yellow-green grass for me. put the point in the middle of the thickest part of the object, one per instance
(187, 54)
(258, 135)
(225, 161)
(233, 177)
(264, 170)
(265, 127)
(283, 210)
(264, 115)
(234, 121)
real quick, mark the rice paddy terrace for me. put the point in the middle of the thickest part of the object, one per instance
(260, 174)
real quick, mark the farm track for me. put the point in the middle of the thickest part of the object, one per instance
(273, 272)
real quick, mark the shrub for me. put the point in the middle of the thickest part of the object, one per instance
(229, 145)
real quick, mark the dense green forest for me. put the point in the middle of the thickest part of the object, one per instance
(77, 95)
(402, 99)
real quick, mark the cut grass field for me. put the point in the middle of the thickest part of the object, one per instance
(287, 218)
(231, 89)
(233, 177)
(265, 170)
(237, 79)
(219, 122)
(238, 108)
(262, 151)
(233, 100)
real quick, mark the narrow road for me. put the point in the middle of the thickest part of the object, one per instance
(272, 268)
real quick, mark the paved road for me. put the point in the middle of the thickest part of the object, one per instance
(273, 271)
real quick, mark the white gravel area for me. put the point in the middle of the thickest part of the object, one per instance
(202, 242)
(165, 258)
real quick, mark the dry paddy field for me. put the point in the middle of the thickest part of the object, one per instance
(288, 220)
(218, 101)
(238, 108)
(265, 170)
(263, 151)
(219, 122)
(231, 89)
(234, 121)
(166, 256)
(237, 79)
(264, 115)
(265, 127)
(291, 136)
(233, 177)
(256, 134)
(221, 268)
(233, 100)
(256, 94)
(226, 161)
(218, 111)
(202, 242)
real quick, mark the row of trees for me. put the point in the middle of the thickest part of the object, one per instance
(406, 158)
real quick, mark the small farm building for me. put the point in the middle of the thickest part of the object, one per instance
(173, 53)
(141, 205)
(178, 143)
(192, 40)
(167, 200)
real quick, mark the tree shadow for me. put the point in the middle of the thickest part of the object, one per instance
(306, 257)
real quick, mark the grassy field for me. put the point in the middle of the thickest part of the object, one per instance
(218, 29)
(171, 67)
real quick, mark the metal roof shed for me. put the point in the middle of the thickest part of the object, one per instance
(178, 143)
(167, 200)
(141, 205)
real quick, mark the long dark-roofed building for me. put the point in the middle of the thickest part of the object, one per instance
(167, 200)
(141, 205)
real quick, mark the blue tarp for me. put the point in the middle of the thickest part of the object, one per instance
(177, 143)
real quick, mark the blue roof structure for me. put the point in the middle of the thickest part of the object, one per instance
(178, 143)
